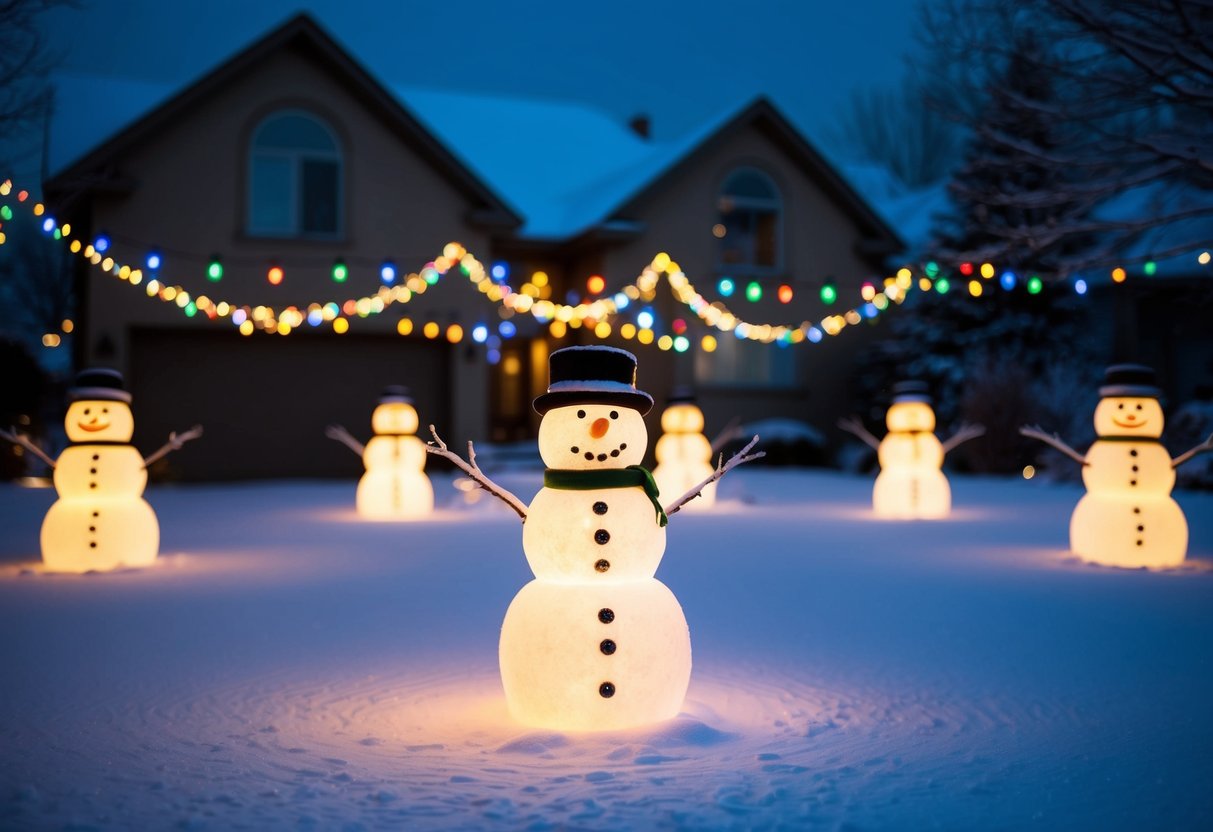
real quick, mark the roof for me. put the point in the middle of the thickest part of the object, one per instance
(558, 168)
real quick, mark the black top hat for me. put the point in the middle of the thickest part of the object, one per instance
(911, 391)
(592, 375)
(1130, 380)
(98, 384)
(681, 395)
(395, 393)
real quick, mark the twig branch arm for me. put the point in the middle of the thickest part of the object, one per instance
(741, 457)
(851, 424)
(963, 435)
(24, 441)
(1203, 447)
(473, 470)
(343, 436)
(175, 441)
(1034, 432)
(731, 431)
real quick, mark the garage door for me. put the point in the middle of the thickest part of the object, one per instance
(264, 401)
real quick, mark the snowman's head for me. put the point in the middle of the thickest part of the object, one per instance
(910, 416)
(394, 418)
(590, 436)
(682, 417)
(99, 420)
(1129, 416)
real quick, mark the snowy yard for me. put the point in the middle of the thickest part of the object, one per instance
(285, 665)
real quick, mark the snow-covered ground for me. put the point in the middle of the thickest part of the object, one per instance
(287, 666)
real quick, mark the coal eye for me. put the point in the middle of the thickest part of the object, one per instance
(86, 411)
(614, 414)
(1139, 407)
(105, 410)
(1121, 406)
(580, 414)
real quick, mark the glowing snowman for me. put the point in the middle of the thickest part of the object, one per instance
(1127, 517)
(595, 642)
(911, 484)
(101, 520)
(684, 455)
(394, 486)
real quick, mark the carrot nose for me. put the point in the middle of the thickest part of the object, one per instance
(599, 428)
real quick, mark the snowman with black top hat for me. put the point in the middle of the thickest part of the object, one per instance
(100, 520)
(1127, 517)
(595, 642)
(394, 486)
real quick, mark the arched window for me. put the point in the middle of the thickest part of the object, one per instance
(750, 219)
(294, 178)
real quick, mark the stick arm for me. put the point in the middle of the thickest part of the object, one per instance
(1203, 447)
(24, 441)
(343, 436)
(963, 435)
(741, 457)
(1034, 432)
(175, 441)
(731, 431)
(470, 468)
(851, 424)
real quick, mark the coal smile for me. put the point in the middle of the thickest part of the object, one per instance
(601, 457)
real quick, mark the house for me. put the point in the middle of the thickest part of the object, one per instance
(290, 176)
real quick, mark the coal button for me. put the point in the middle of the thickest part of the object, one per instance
(602, 565)
(607, 647)
(602, 537)
(606, 615)
(600, 507)
(606, 690)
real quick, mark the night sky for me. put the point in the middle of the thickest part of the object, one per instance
(681, 62)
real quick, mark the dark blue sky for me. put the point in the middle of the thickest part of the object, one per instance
(679, 61)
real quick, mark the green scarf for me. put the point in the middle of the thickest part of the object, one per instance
(630, 477)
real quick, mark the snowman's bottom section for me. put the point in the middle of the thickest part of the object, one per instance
(912, 494)
(585, 658)
(394, 495)
(97, 534)
(1132, 531)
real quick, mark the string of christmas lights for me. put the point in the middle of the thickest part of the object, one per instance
(533, 297)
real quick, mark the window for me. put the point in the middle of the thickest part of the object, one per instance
(294, 178)
(749, 225)
(737, 362)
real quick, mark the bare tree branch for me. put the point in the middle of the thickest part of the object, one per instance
(473, 470)
(175, 441)
(731, 431)
(963, 435)
(343, 436)
(740, 458)
(1053, 440)
(1203, 447)
(12, 435)
(852, 424)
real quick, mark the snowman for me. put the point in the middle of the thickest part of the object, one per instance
(684, 455)
(911, 484)
(595, 641)
(100, 520)
(1127, 517)
(394, 486)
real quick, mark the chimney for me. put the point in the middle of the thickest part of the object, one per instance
(641, 125)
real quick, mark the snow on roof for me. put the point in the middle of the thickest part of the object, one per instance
(563, 166)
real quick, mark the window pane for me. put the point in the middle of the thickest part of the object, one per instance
(765, 229)
(738, 363)
(319, 197)
(294, 132)
(270, 196)
(750, 183)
